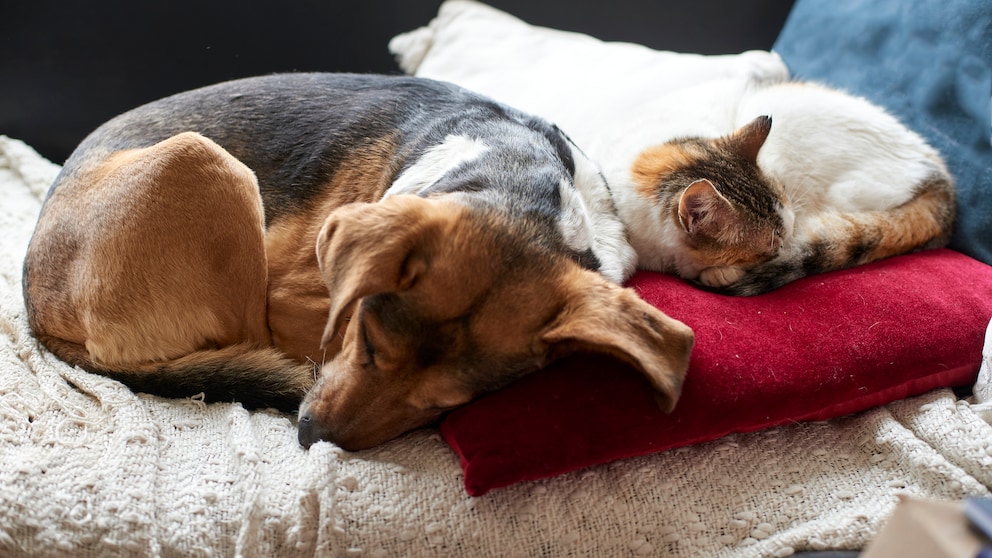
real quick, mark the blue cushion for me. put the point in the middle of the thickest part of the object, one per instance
(930, 63)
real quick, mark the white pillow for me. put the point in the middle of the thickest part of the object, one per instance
(614, 99)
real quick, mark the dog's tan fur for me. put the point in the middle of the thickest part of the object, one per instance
(436, 262)
(297, 295)
(157, 264)
(171, 239)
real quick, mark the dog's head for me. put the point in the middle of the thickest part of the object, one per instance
(433, 303)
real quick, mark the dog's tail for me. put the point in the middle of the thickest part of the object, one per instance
(256, 377)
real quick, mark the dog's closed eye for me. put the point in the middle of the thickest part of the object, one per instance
(367, 343)
(443, 408)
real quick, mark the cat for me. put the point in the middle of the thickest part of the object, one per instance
(804, 179)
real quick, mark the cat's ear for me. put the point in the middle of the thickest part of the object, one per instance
(703, 211)
(748, 139)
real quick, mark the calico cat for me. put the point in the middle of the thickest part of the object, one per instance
(807, 179)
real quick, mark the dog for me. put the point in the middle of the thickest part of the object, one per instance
(370, 250)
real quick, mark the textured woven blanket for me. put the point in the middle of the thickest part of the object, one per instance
(88, 468)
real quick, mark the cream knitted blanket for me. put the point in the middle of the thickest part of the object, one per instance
(89, 469)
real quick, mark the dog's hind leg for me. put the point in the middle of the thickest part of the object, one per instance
(151, 255)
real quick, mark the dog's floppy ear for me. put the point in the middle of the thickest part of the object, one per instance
(370, 248)
(602, 317)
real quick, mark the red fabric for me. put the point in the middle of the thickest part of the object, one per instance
(821, 347)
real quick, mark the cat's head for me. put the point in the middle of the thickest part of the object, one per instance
(729, 216)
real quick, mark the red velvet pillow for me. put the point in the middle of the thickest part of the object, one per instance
(821, 347)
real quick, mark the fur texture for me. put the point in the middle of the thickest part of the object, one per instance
(792, 179)
(388, 247)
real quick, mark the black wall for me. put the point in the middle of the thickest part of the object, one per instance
(67, 66)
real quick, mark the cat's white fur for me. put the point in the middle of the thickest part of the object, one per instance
(833, 152)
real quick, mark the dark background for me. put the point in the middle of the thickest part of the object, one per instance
(67, 66)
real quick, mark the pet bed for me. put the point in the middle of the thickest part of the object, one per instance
(88, 468)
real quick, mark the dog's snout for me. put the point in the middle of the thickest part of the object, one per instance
(308, 431)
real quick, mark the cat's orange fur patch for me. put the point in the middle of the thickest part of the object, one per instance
(930, 216)
(657, 161)
(748, 249)
(924, 221)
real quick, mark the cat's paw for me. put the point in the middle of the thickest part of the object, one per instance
(721, 276)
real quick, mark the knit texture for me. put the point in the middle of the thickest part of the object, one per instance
(88, 468)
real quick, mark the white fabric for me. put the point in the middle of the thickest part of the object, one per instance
(591, 88)
(613, 98)
(89, 469)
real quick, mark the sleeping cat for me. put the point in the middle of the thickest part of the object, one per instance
(803, 179)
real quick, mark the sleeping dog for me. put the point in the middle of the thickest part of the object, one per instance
(371, 250)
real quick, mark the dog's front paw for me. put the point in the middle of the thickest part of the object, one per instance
(720, 276)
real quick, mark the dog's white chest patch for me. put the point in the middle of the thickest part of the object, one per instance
(590, 218)
(574, 224)
(437, 161)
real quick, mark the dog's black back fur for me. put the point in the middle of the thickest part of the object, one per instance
(294, 130)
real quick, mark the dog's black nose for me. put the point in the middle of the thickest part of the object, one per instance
(307, 431)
